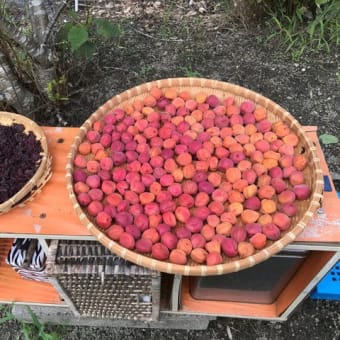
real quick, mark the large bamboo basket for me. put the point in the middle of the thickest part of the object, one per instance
(43, 173)
(306, 209)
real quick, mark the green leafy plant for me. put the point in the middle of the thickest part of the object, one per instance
(305, 24)
(145, 70)
(56, 88)
(37, 329)
(7, 315)
(82, 37)
(30, 331)
(3, 9)
(337, 76)
(166, 30)
(190, 73)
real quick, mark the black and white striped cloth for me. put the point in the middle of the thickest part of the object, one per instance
(27, 258)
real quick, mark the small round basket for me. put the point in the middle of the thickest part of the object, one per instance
(42, 174)
(306, 208)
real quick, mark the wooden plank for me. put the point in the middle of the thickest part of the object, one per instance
(15, 289)
(306, 273)
(325, 227)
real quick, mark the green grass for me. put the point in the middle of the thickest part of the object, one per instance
(145, 70)
(304, 30)
(5, 315)
(337, 76)
(166, 29)
(189, 73)
(30, 331)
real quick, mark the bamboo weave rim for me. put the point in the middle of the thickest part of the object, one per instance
(42, 174)
(89, 258)
(306, 209)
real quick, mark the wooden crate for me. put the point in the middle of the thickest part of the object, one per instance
(97, 284)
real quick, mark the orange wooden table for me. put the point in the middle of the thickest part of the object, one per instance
(51, 216)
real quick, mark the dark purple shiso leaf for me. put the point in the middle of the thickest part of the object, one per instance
(20, 157)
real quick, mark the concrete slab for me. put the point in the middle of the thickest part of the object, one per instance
(64, 316)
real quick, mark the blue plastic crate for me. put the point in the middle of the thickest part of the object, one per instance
(329, 287)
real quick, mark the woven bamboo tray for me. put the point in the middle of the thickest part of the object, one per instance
(306, 209)
(95, 283)
(43, 173)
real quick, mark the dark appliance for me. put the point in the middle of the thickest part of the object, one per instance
(261, 283)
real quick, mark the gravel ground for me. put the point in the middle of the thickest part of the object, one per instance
(161, 42)
(313, 319)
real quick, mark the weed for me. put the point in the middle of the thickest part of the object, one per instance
(82, 36)
(4, 9)
(337, 76)
(56, 88)
(311, 25)
(37, 329)
(165, 30)
(190, 73)
(7, 315)
(34, 330)
(145, 70)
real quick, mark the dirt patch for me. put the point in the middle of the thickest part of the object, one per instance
(160, 41)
